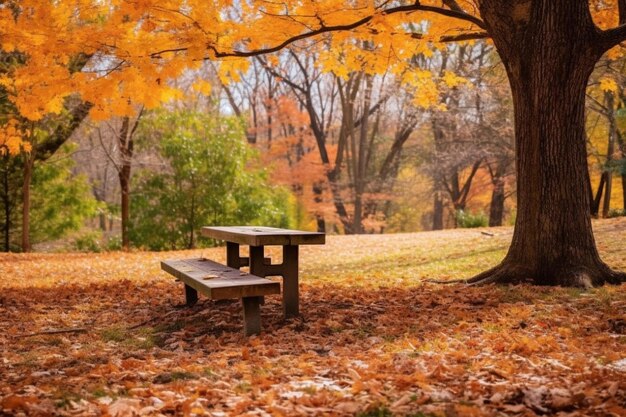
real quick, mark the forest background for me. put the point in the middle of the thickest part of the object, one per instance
(284, 141)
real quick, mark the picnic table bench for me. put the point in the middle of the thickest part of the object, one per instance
(218, 281)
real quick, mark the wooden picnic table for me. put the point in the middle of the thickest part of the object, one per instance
(257, 238)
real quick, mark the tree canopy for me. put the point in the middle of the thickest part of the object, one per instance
(135, 48)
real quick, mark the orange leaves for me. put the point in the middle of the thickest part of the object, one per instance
(140, 46)
(13, 139)
(407, 348)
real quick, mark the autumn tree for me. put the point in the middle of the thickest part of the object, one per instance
(605, 99)
(122, 160)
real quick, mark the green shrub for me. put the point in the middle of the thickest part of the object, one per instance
(114, 243)
(89, 242)
(467, 220)
(616, 213)
(210, 177)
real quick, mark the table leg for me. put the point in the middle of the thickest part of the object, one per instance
(232, 255)
(291, 296)
(257, 261)
(257, 264)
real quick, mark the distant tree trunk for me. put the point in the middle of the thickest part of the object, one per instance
(192, 218)
(624, 190)
(595, 202)
(549, 49)
(622, 146)
(319, 217)
(6, 200)
(360, 158)
(126, 144)
(102, 221)
(124, 176)
(438, 211)
(498, 195)
(496, 208)
(28, 177)
(610, 105)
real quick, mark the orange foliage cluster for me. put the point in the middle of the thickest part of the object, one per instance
(294, 157)
(136, 47)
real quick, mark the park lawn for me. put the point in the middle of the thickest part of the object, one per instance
(373, 338)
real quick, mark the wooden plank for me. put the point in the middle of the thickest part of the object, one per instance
(218, 281)
(261, 236)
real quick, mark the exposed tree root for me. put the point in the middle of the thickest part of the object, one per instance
(572, 276)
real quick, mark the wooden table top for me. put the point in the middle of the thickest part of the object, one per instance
(261, 236)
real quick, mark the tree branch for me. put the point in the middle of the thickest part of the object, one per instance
(613, 37)
(455, 12)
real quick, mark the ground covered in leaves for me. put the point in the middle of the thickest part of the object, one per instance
(103, 334)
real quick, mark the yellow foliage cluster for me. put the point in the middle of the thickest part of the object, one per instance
(134, 48)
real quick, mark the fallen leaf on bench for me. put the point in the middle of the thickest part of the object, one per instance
(210, 276)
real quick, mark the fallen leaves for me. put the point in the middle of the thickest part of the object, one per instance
(378, 350)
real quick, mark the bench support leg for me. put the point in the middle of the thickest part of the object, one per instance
(191, 296)
(291, 296)
(251, 315)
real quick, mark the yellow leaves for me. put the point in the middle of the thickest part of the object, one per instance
(13, 139)
(231, 69)
(452, 80)
(155, 41)
(202, 87)
(426, 93)
(609, 85)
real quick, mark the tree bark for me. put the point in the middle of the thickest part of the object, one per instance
(319, 217)
(549, 49)
(124, 176)
(595, 202)
(624, 192)
(28, 177)
(126, 145)
(610, 105)
(438, 211)
(6, 200)
(496, 208)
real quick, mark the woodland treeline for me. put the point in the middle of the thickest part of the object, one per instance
(285, 142)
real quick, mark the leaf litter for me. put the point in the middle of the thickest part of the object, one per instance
(373, 340)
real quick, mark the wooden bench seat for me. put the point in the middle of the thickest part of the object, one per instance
(219, 282)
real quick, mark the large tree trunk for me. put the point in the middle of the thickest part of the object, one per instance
(548, 48)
